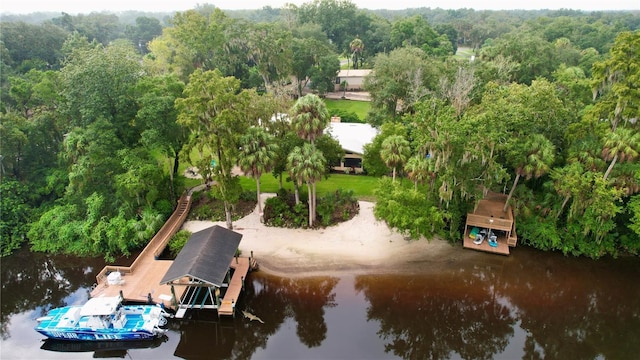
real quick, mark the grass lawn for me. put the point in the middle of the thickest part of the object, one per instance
(361, 108)
(464, 53)
(361, 185)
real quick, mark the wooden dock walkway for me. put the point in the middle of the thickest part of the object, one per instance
(141, 279)
(241, 266)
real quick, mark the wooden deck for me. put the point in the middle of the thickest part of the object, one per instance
(142, 277)
(489, 214)
(502, 248)
(241, 266)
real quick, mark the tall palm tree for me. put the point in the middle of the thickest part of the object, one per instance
(567, 181)
(531, 159)
(309, 117)
(357, 47)
(257, 155)
(620, 144)
(395, 151)
(417, 168)
(307, 164)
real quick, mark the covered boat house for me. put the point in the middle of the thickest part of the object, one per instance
(489, 216)
(211, 271)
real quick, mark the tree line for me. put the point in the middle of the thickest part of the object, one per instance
(95, 121)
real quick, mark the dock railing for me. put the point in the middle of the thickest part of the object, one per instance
(489, 222)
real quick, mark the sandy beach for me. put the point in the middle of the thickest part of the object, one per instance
(360, 245)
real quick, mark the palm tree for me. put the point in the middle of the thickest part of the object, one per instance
(418, 170)
(357, 47)
(395, 151)
(532, 159)
(307, 164)
(567, 181)
(620, 144)
(309, 117)
(149, 223)
(257, 155)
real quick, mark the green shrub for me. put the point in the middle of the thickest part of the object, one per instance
(338, 206)
(164, 207)
(248, 196)
(282, 211)
(177, 242)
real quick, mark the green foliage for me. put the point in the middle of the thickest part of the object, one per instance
(372, 161)
(331, 150)
(177, 242)
(282, 211)
(634, 211)
(59, 231)
(407, 210)
(98, 145)
(333, 208)
(145, 29)
(400, 77)
(214, 109)
(28, 42)
(334, 16)
(208, 206)
(416, 31)
(395, 152)
(323, 75)
(16, 215)
(337, 207)
(107, 75)
(142, 179)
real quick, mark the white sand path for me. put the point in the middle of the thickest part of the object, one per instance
(360, 245)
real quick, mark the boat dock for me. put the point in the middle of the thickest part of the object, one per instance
(241, 266)
(140, 282)
(145, 280)
(489, 215)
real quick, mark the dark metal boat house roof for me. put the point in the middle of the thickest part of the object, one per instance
(205, 257)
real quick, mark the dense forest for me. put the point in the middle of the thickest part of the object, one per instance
(98, 111)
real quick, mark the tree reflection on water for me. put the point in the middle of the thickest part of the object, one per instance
(432, 317)
(575, 308)
(33, 280)
(532, 305)
(274, 300)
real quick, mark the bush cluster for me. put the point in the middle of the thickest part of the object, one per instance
(334, 208)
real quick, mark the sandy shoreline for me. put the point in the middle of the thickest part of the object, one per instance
(360, 245)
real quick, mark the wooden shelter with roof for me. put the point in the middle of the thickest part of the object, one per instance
(210, 271)
(489, 215)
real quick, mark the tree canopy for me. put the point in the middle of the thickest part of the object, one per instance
(99, 112)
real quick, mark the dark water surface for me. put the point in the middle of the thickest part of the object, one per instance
(531, 305)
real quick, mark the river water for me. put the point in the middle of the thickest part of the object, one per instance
(530, 305)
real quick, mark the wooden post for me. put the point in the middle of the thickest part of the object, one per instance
(173, 295)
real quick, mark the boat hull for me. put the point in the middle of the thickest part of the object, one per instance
(93, 335)
(103, 319)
